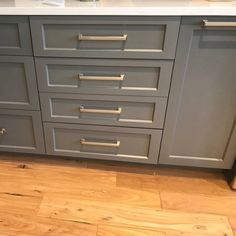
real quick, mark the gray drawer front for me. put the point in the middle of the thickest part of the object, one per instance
(15, 36)
(140, 77)
(147, 37)
(18, 87)
(21, 131)
(144, 112)
(126, 144)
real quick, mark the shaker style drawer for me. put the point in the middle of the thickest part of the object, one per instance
(21, 131)
(15, 38)
(107, 37)
(18, 86)
(146, 112)
(101, 142)
(103, 76)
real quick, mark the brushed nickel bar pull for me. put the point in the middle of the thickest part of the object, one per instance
(206, 23)
(82, 37)
(100, 111)
(102, 78)
(2, 131)
(84, 142)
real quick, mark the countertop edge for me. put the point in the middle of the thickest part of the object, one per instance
(119, 11)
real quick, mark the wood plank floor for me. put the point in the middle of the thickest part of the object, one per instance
(53, 196)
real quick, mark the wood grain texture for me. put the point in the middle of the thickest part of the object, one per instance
(225, 205)
(107, 230)
(136, 181)
(192, 181)
(15, 224)
(52, 196)
(232, 220)
(71, 208)
(14, 202)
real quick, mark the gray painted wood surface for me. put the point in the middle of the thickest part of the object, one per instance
(200, 125)
(18, 87)
(136, 145)
(141, 77)
(23, 131)
(146, 112)
(147, 37)
(15, 38)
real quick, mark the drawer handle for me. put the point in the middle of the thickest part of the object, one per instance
(104, 78)
(82, 37)
(100, 111)
(206, 23)
(2, 131)
(84, 142)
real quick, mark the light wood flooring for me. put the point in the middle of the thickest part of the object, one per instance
(51, 196)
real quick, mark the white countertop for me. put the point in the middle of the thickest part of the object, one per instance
(118, 7)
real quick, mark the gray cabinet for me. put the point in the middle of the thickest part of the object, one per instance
(18, 88)
(15, 38)
(105, 36)
(101, 142)
(21, 128)
(104, 78)
(200, 127)
(145, 112)
(21, 131)
(115, 72)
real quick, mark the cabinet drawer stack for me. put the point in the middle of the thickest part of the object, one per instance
(20, 118)
(104, 84)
